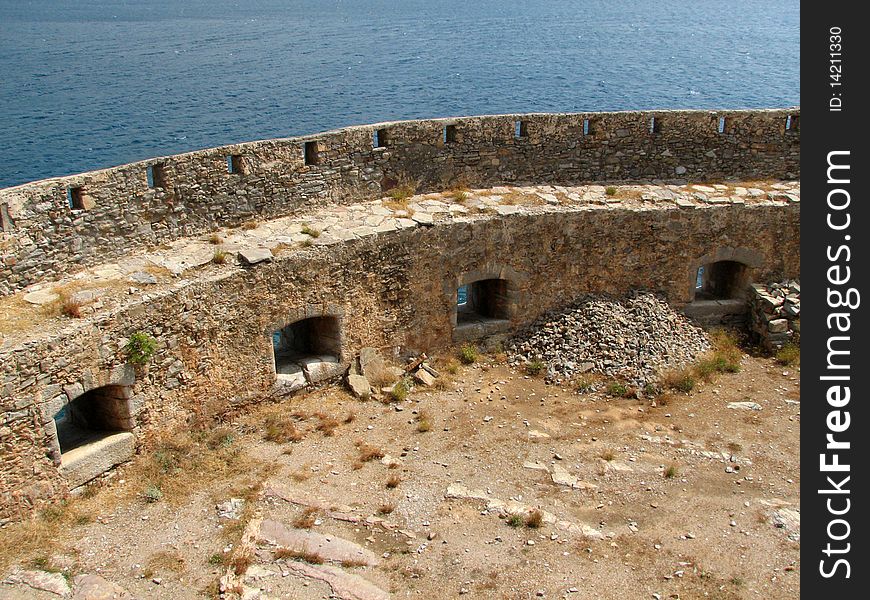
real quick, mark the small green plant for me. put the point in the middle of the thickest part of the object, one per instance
(152, 494)
(423, 423)
(309, 231)
(219, 257)
(682, 380)
(514, 521)
(218, 559)
(459, 196)
(585, 384)
(306, 243)
(468, 353)
(617, 389)
(403, 191)
(610, 190)
(789, 354)
(400, 390)
(535, 367)
(140, 348)
(670, 472)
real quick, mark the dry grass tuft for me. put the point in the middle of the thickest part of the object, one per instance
(327, 424)
(164, 561)
(280, 428)
(393, 481)
(307, 518)
(368, 453)
(535, 519)
(385, 509)
(301, 475)
(424, 424)
(241, 561)
(304, 555)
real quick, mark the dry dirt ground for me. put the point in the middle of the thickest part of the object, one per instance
(688, 500)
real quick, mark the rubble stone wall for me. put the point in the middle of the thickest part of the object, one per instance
(775, 313)
(395, 291)
(151, 202)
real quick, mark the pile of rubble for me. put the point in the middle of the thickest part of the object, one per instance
(633, 339)
(774, 313)
(371, 376)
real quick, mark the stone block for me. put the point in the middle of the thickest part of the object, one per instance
(80, 465)
(253, 256)
(778, 326)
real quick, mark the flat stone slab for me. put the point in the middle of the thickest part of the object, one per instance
(53, 583)
(562, 477)
(346, 586)
(512, 507)
(253, 256)
(321, 368)
(744, 405)
(142, 278)
(359, 386)
(94, 587)
(80, 465)
(40, 297)
(185, 257)
(328, 547)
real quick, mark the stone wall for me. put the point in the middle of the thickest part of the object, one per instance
(395, 291)
(775, 313)
(50, 227)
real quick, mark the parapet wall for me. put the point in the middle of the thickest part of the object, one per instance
(53, 226)
(395, 290)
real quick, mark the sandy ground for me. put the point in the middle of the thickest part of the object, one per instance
(685, 498)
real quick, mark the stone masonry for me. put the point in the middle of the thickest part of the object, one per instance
(55, 225)
(775, 313)
(386, 272)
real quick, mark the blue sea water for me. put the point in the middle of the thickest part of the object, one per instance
(87, 84)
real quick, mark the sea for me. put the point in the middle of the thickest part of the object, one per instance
(87, 84)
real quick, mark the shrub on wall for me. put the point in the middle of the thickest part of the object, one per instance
(140, 348)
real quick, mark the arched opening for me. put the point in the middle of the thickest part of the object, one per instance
(483, 308)
(308, 350)
(719, 295)
(721, 280)
(479, 300)
(93, 416)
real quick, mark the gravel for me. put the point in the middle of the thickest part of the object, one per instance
(633, 339)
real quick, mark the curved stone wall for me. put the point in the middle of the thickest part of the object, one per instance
(394, 290)
(53, 226)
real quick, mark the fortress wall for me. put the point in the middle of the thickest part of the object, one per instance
(394, 291)
(43, 238)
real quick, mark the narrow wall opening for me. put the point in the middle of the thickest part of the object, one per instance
(449, 134)
(312, 153)
(75, 196)
(482, 300)
(235, 165)
(308, 349)
(156, 175)
(380, 138)
(94, 416)
(721, 280)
